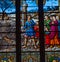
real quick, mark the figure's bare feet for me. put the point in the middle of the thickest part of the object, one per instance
(24, 46)
(51, 46)
(38, 46)
(58, 46)
(35, 46)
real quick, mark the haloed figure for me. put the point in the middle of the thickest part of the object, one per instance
(29, 33)
(54, 32)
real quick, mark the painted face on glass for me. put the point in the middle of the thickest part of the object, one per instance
(51, 18)
(29, 18)
(54, 18)
(46, 17)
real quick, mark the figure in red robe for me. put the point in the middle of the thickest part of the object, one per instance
(36, 28)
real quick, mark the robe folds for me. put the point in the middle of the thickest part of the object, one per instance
(36, 28)
(54, 33)
(47, 39)
(29, 27)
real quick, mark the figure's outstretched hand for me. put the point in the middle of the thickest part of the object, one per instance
(52, 22)
(23, 30)
(46, 29)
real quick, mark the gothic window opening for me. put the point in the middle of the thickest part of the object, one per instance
(7, 31)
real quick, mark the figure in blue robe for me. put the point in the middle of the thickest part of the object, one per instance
(29, 27)
(29, 31)
(59, 29)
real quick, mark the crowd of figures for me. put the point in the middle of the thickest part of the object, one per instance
(52, 30)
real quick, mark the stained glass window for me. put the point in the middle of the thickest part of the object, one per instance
(29, 18)
(51, 30)
(7, 31)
